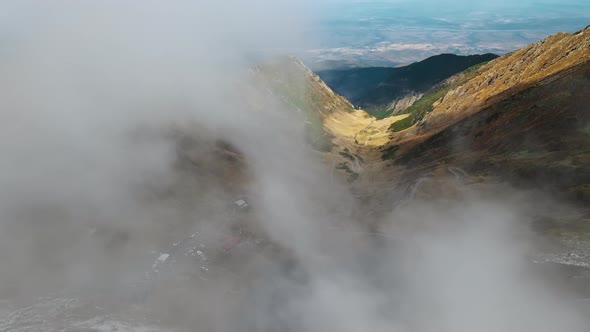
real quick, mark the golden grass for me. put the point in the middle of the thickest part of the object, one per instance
(360, 128)
(511, 73)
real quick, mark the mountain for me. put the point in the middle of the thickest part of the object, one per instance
(378, 88)
(522, 118)
(304, 92)
(333, 125)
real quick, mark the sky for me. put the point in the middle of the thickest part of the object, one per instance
(400, 32)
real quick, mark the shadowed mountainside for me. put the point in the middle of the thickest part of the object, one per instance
(377, 89)
(522, 118)
(538, 137)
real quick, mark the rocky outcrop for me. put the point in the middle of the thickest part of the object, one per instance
(399, 105)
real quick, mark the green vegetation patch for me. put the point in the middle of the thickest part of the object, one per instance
(380, 112)
(389, 153)
(346, 155)
(526, 154)
(474, 68)
(290, 82)
(420, 108)
(404, 123)
(585, 129)
(352, 175)
(425, 104)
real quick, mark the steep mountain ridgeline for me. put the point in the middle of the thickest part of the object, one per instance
(508, 75)
(304, 92)
(418, 109)
(522, 117)
(536, 138)
(384, 91)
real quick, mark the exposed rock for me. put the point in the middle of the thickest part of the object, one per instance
(400, 104)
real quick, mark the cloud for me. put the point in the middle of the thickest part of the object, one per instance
(93, 99)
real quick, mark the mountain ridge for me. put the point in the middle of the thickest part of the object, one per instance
(523, 118)
(367, 151)
(383, 88)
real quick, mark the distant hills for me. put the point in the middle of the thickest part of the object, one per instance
(381, 90)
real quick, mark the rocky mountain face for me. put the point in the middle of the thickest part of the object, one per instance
(399, 105)
(522, 118)
(561, 53)
(384, 91)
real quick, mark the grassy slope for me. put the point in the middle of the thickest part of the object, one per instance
(305, 93)
(535, 138)
(425, 104)
(375, 88)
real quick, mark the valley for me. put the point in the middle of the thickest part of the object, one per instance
(515, 122)
(476, 121)
(172, 189)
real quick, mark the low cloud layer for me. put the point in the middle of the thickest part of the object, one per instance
(96, 99)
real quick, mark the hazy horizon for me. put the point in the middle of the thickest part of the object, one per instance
(392, 33)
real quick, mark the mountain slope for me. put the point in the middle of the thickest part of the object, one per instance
(523, 117)
(508, 75)
(381, 87)
(334, 126)
(538, 136)
(304, 92)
